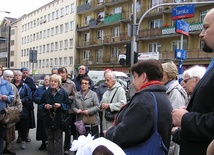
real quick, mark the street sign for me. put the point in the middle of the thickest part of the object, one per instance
(33, 56)
(182, 27)
(185, 11)
(180, 54)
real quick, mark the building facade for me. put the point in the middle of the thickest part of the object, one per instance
(104, 27)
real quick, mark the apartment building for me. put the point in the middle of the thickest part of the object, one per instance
(104, 27)
(50, 30)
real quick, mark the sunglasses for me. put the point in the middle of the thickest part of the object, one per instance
(81, 69)
(85, 83)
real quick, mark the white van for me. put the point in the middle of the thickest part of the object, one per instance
(99, 75)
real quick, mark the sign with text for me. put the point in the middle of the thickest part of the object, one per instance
(180, 54)
(182, 27)
(185, 11)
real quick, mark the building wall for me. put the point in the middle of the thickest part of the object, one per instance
(34, 26)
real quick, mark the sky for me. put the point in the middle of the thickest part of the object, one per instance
(17, 8)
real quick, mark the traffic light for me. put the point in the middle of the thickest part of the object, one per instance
(135, 57)
(128, 54)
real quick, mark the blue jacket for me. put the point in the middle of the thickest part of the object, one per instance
(53, 118)
(6, 89)
(26, 98)
(37, 98)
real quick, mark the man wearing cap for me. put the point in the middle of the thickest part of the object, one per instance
(29, 81)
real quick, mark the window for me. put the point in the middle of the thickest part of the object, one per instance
(155, 23)
(72, 7)
(100, 34)
(66, 43)
(48, 32)
(65, 60)
(87, 37)
(40, 49)
(177, 44)
(43, 49)
(70, 60)
(43, 63)
(99, 54)
(86, 55)
(56, 46)
(56, 30)
(115, 31)
(44, 34)
(40, 63)
(154, 47)
(62, 12)
(57, 14)
(51, 62)
(11, 53)
(48, 47)
(47, 62)
(117, 10)
(66, 10)
(52, 46)
(52, 31)
(61, 28)
(53, 15)
(72, 25)
(115, 52)
(56, 61)
(71, 43)
(155, 2)
(66, 27)
(60, 44)
(202, 15)
(87, 18)
(60, 61)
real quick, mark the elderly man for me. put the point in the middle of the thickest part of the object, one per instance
(195, 123)
(113, 99)
(82, 72)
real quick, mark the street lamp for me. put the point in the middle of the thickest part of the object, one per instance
(5, 12)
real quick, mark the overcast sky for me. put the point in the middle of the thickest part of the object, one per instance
(17, 8)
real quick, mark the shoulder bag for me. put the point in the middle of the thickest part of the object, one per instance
(9, 115)
(154, 145)
(110, 115)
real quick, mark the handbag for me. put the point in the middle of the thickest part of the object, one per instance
(80, 126)
(154, 145)
(89, 119)
(9, 115)
(110, 115)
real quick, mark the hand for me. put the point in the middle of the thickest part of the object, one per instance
(57, 105)
(79, 111)
(105, 106)
(48, 106)
(104, 133)
(85, 112)
(4, 97)
(173, 130)
(177, 115)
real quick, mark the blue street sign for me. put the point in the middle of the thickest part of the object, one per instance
(185, 11)
(180, 54)
(182, 27)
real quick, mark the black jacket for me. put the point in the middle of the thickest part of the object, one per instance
(135, 121)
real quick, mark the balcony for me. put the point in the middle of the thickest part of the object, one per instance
(166, 30)
(112, 18)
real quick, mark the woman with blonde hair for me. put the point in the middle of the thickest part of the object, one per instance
(55, 103)
(177, 95)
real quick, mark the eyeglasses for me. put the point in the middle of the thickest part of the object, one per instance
(81, 69)
(186, 80)
(85, 83)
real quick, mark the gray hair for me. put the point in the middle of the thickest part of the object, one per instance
(112, 75)
(195, 71)
(8, 73)
(18, 72)
(171, 69)
(56, 77)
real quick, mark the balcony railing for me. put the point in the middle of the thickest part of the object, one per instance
(195, 26)
(192, 55)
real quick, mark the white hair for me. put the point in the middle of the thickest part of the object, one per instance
(8, 73)
(195, 71)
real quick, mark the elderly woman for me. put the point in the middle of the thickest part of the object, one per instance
(177, 95)
(135, 122)
(86, 105)
(10, 131)
(40, 134)
(54, 102)
(6, 97)
(113, 99)
(191, 77)
(26, 99)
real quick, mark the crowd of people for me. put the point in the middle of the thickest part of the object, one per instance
(179, 116)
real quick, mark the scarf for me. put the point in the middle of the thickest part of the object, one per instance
(149, 84)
